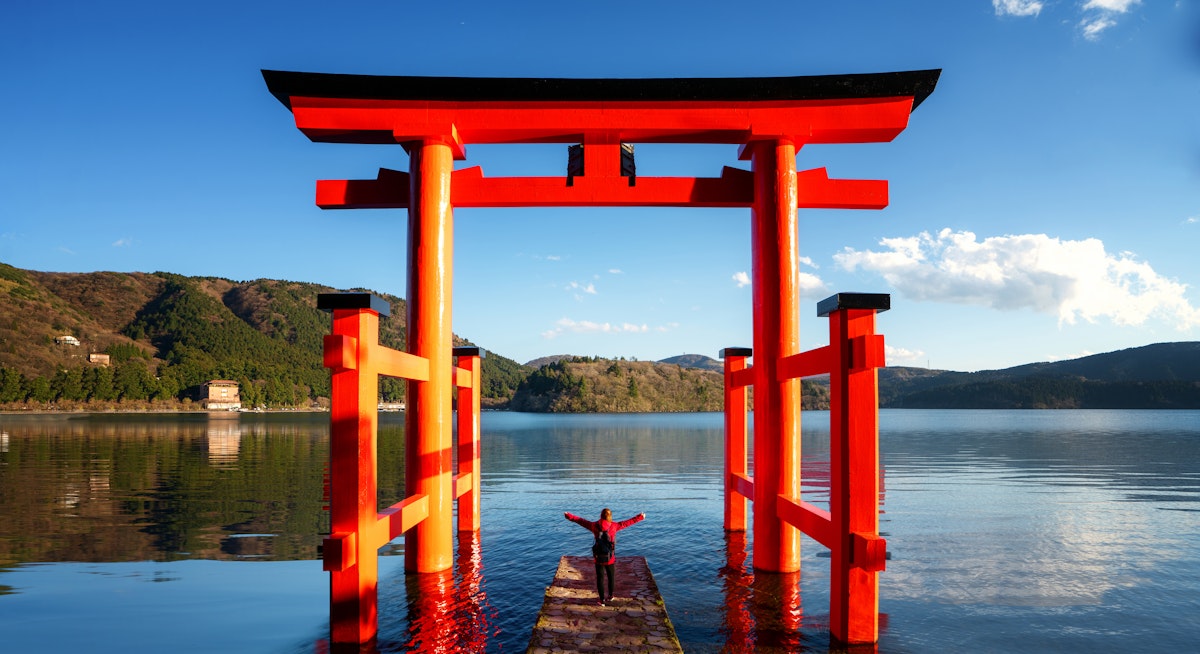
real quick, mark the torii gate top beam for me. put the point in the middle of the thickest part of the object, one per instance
(397, 109)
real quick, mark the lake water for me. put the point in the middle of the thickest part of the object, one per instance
(1009, 531)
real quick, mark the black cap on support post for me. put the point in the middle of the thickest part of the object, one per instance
(735, 352)
(880, 302)
(331, 301)
(469, 351)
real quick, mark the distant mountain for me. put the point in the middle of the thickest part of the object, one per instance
(544, 361)
(1162, 375)
(698, 361)
(166, 334)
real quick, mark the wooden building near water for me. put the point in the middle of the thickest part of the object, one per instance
(220, 395)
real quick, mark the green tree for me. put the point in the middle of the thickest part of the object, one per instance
(249, 392)
(124, 352)
(68, 385)
(102, 388)
(391, 389)
(12, 385)
(40, 391)
(132, 381)
(169, 383)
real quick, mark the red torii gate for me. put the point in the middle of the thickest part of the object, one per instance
(435, 118)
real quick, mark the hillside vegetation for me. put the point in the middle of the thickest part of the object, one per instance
(167, 334)
(597, 385)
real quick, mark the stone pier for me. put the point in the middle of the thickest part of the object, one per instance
(572, 619)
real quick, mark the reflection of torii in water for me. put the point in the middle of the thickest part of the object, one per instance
(435, 119)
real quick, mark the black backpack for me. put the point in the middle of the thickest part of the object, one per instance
(603, 548)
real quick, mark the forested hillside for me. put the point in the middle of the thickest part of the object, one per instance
(166, 334)
(597, 385)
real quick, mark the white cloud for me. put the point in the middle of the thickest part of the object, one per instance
(1068, 357)
(1119, 6)
(588, 327)
(1097, 15)
(811, 285)
(66, 250)
(899, 355)
(1092, 27)
(1103, 15)
(1192, 220)
(1017, 7)
(122, 243)
(588, 288)
(1073, 279)
(741, 279)
(615, 271)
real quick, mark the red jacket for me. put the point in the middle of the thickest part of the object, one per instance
(611, 527)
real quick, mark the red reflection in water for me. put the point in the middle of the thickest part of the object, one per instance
(738, 623)
(762, 609)
(447, 611)
(763, 612)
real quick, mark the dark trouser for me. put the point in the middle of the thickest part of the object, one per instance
(602, 571)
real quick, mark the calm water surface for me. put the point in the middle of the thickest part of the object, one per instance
(1008, 531)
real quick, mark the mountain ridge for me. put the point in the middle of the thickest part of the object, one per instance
(167, 333)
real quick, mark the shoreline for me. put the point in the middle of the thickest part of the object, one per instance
(51, 412)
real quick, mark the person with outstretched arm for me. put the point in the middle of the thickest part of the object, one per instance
(604, 549)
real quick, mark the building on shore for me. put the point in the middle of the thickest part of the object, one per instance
(99, 359)
(66, 340)
(220, 395)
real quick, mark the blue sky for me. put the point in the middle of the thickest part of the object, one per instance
(1045, 200)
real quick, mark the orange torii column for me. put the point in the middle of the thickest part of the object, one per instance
(858, 554)
(427, 421)
(774, 236)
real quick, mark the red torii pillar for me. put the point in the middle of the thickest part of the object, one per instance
(429, 547)
(775, 280)
(356, 358)
(850, 528)
(858, 553)
(435, 118)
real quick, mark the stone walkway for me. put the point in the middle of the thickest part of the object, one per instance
(572, 619)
